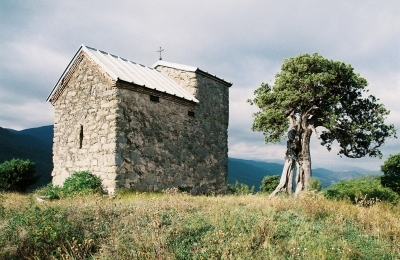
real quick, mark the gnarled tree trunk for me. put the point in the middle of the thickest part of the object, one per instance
(286, 182)
(297, 157)
(303, 174)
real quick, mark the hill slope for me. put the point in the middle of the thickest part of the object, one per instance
(29, 144)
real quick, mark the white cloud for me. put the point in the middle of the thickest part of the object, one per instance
(30, 114)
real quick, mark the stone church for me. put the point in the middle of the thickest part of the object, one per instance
(138, 127)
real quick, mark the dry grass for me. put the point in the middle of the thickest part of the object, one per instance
(179, 226)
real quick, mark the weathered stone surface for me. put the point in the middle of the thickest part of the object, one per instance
(115, 131)
(81, 107)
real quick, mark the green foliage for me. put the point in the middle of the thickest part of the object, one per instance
(391, 173)
(51, 192)
(240, 189)
(17, 175)
(364, 188)
(269, 183)
(325, 93)
(45, 233)
(314, 184)
(82, 182)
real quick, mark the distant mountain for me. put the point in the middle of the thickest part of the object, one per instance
(34, 144)
(252, 172)
(44, 133)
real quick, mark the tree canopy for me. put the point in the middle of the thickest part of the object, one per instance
(310, 92)
(318, 92)
(391, 173)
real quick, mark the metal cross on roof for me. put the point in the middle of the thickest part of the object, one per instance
(160, 50)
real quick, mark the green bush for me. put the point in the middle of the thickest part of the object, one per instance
(269, 183)
(391, 173)
(82, 182)
(240, 189)
(367, 187)
(51, 192)
(315, 185)
(17, 175)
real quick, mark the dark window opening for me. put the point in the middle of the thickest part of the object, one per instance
(154, 98)
(81, 137)
(191, 113)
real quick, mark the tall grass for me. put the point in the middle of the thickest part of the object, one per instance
(180, 226)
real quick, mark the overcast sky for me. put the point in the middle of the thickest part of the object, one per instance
(243, 42)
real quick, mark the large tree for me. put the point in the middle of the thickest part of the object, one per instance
(312, 92)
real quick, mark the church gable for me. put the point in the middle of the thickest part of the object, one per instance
(75, 69)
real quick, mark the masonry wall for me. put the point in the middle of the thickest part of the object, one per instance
(160, 146)
(85, 125)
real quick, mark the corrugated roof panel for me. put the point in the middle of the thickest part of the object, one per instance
(174, 65)
(138, 74)
(122, 69)
(130, 70)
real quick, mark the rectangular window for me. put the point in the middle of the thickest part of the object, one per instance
(191, 113)
(154, 98)
(81, 137)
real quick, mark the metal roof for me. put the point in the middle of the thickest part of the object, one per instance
(188, 68)
(122, 69)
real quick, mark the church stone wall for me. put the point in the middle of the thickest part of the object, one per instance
(210, 127)
(117, 132)
(84, 125)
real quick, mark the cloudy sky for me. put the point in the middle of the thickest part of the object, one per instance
(244, 42)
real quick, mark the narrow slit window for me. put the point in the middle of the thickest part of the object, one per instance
(154, 98)
(191, 113)
(81, 137)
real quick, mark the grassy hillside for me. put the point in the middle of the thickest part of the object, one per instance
(179, 226)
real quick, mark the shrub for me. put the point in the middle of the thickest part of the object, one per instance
(391, 173)
(50, 191)
(17, 175)
(240, 189)
(364, 188)
(269, 183)
(82, 182)
(315, 185)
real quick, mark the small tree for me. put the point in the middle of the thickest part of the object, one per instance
(315, 185)
(269, 183)
(240, 189)
(391, 173)
(17, 175)
(310, 92)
